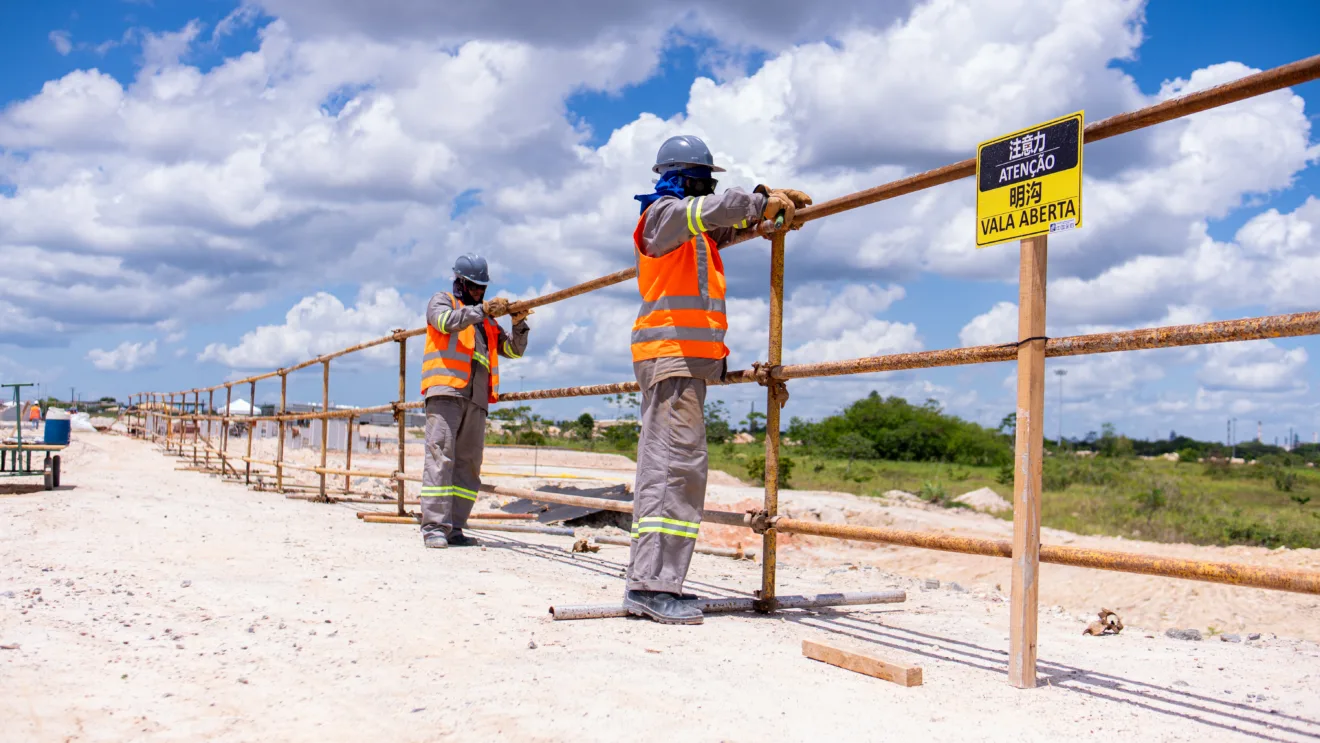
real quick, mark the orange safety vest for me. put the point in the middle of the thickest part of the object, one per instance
(34, 414)
(448, 357)
(682, 311)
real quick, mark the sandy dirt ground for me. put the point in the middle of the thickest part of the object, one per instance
(143, 602)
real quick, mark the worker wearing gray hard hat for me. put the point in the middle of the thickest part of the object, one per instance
(460, 378)
(677, 349)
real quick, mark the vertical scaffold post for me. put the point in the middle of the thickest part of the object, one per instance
(325, 423)
(399, 415)
(348, 458)
(279, 445)
(1028, 454)
(224, 431)
(766, 596)
(210, 424)
(197, 422)
(251, 424)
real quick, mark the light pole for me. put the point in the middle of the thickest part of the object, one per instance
(1061, 374)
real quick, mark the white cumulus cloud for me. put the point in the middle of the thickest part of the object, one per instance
(125, 357)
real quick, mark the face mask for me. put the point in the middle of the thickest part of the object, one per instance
(699, 186)
(470, 293)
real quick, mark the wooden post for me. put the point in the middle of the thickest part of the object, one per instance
(252, 408)
(766, 602)
(210, 424)
(399, 417)
(197, 422)
(224, 430)
(325, 423)
(348, 458)
(279, 446)
(1027, 461)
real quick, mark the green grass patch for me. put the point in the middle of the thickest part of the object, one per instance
(1266, 505)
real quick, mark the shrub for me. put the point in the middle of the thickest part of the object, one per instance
(936, 494)
(1283, 479)
(531, 438)
(756, 469)
(622, 435)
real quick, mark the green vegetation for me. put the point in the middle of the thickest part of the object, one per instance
(894, 429)
(1156, 500)
(1099, 484)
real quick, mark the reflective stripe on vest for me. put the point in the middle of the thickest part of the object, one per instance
(683, 307)
(447, 360)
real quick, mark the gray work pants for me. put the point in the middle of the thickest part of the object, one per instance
(451, 466)
(671, 484)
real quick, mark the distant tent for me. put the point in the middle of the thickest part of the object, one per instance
(239, 407)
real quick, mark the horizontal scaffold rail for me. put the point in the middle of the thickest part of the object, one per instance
(1223, 331)
(1268, 81)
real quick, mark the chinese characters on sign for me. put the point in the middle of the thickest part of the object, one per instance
(1029, 183)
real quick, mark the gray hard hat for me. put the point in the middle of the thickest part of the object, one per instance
(472, 267)
(682, 151)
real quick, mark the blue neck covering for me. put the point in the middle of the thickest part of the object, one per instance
(671, 184)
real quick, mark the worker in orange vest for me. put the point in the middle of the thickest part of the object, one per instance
(460, 378)
(34, 415)
(677, 349)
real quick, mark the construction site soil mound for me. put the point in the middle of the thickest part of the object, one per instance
(144, 601)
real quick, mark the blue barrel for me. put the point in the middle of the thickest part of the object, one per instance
(57, 427)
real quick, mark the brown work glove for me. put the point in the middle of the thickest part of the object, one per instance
(776, 204)
(799, 198)
(496, 307)
(785, 200)
(518, 317)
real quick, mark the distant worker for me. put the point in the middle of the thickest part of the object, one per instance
(460, 378)
(677, 348)
(34, 416)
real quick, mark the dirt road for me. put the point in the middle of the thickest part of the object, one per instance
(153, 604)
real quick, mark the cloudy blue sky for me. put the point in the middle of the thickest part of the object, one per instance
(193, 191)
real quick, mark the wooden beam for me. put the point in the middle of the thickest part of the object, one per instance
(1028, 455)
(899, 673)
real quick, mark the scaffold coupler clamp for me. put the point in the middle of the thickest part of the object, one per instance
(759, 521)
(765, 376)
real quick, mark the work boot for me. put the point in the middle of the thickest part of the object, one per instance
(463, 540)
(435, 540)
(665, 608)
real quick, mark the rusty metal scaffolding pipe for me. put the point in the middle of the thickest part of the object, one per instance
(1241, 89)
(1223, 331)
(335, 499)
(483, 516)
(701, 549)
(726, 518)
(1297, 581)
(714, 606)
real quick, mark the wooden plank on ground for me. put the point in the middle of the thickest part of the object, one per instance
(899, 673)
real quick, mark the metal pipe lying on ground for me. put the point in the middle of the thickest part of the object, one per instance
(557, 531)
(711, 606)
(377, 501)
(726, 518)
(1298, 581)
(480, 516)
(734, 552)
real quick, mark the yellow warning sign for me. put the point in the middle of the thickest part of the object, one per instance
(1029, 183)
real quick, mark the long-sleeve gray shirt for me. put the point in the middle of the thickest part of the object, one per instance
(664, 230)
(448, 315)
